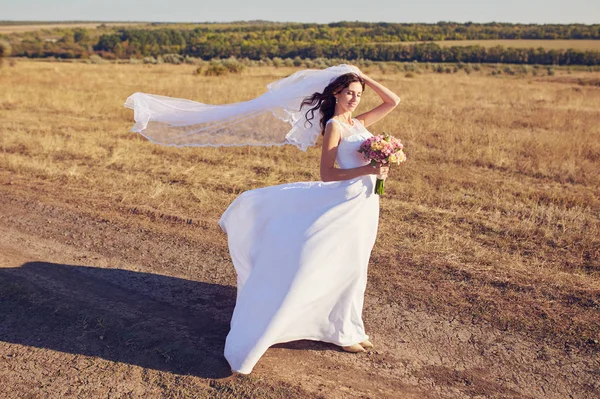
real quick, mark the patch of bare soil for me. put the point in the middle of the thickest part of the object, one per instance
(98, 300)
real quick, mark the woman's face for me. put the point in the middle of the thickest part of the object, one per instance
(349, 98)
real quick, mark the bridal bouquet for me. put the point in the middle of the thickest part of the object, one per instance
(385, 149)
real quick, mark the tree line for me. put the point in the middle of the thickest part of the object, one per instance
(345, 40)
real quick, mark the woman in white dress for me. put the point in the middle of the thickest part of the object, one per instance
(301, 250)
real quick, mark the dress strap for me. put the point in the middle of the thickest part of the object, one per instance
(343, 128)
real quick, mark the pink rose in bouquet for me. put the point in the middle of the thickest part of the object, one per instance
(385, 149)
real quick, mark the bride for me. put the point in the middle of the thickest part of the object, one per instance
(301, 250)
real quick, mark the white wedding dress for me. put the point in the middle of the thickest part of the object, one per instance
(301, 252)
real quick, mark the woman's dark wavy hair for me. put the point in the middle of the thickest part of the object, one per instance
(325, 102)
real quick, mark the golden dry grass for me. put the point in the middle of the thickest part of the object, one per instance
(547, 44)
(7, 29)
(495, 216)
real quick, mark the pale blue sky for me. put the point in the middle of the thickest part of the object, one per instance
(320, 11)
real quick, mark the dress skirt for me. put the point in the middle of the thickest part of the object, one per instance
(301, 252)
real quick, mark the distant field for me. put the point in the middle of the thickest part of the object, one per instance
(6, 29)
(548, 44)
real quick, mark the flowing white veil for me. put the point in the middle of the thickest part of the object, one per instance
(273, 118)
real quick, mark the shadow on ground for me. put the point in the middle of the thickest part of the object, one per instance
(143, 319)
(304, 345)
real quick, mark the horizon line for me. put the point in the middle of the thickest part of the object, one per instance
(40, 21)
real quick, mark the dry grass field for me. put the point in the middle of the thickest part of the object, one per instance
(115, 279)
(547, 44)
(10, 28)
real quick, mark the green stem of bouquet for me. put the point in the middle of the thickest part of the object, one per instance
(379, 187)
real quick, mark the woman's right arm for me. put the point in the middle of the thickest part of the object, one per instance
(329, 172)
(390, 101)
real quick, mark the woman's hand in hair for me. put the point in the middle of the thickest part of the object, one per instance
(360, 73)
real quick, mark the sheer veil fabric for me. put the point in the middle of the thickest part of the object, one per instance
(273, 118)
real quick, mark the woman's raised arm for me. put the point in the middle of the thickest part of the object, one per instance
(390, 101)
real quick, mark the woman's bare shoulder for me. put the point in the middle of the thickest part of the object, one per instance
(333, 127)
(333, 131)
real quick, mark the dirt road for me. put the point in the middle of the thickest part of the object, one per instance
(101, 300)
